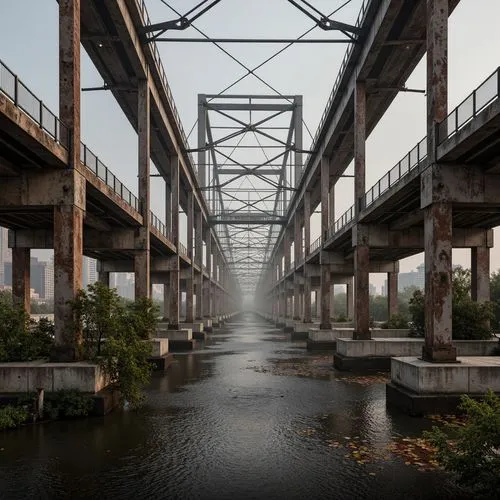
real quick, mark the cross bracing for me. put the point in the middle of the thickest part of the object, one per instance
(249, 161)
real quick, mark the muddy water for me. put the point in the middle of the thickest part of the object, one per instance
(251, 415)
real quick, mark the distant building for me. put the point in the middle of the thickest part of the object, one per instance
(373, 289)
(406, 280)
(89, 271)
(41, 277)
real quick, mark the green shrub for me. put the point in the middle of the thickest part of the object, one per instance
(113, 335)
(22, 339)
(12, 416)
(396, 322)
(341, 318)
(470, 320)
(472, 453)
(67, 404)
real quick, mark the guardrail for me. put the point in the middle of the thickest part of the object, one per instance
(315, 245)
(26, 100)
(182, 249)
(473, 104)
(92, 162)
(159, 225)
(342, 221)
(412, 160)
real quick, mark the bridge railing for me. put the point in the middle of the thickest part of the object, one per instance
(92, 162)
(315, 245)
(159, 225)
(182, 249)
(26, 100)
(473, 104)
(342, 221)
(402, 168)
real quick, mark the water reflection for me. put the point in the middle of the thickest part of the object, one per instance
(216, 427)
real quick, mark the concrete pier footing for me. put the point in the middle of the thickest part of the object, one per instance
(179, 340)
(419, 387)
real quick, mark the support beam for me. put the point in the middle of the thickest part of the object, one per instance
(21, 277)
(359, 145)
(392, 294)
(142, 243)
(190, 251)
(199, 261)
(480, 274)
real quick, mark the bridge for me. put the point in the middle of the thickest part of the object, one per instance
(444, 194)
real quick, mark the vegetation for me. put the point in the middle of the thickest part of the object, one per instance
(473, 452)
(67, 404)
(12, 416)
(114, 334)
(396, 322)
(470, 319)
(22, 339)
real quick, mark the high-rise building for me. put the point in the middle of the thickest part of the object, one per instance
(89, 271)
(41, 277)
(5, 253)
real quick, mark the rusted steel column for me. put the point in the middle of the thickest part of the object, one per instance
(307, 297)
(325, 197)
(480, 274)
(298, 134)
(325, 298)
(21, 277)
(103, 277)
(297, 249)
(198, 236)
(202, 136)
(174, 296)
(175, 292)
(437, 71)
(68, 259)
(438, 284)
(142, 241)
(350, 299)
(307, 247)
(359, 144)
(207, 306)
(69, 74)
(166, 298)
(332, 301)
(68, 216)
(437, 215)
(190, 251)
(392, 294)
(331, 205)
(361, 293)
(168, 210)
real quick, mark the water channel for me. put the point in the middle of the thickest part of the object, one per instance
(251, 415)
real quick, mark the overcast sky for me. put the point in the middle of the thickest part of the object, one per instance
(28, 45)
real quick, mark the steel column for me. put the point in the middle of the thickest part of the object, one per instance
(392, 294)
(142, 243)
(21, 277)
(480, 274)
(190, 251)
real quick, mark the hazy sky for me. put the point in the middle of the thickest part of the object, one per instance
(29, 46)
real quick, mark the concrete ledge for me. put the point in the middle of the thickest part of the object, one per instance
(396, 347)
(175, 335)
(301, 327)
(418, 405)
(472, 375)
(196, 327)
(318, 345)
(30, 376)
(159, 347)
(105, 401)
(161, 363)
(317, 335)
(299, 335)
(200, 336)
(182, 345)
(346, 363)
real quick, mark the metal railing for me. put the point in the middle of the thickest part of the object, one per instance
(24, 99)
(163, 76)
(412, 160)
(92, 162)
(342, 221)
(467, 110)
(182, 249)
(159, 225)
(315, 245)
